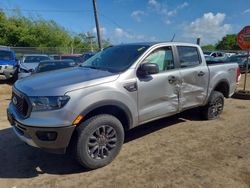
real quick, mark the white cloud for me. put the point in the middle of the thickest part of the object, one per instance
(167, 22)
(102, 29)
(210, 28)
(119, 32)
(137, 14)
(162, 9)
(121, 35)
(178, 8)
(157, 7)
(154, 4)
(246, 11)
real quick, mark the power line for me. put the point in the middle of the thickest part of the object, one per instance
(118, 25)
(42, 10)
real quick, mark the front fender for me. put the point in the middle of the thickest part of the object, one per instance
(85, 100)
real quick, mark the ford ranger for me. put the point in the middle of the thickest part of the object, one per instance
(91, 106)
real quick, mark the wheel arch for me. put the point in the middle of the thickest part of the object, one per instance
(223, 87)
(112, 107)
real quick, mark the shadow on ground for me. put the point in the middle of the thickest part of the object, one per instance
(18, 160)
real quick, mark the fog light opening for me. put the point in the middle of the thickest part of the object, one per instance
(46, 136)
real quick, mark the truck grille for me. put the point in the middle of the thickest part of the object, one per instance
(20, 103)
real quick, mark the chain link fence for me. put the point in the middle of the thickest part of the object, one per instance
(20, 51)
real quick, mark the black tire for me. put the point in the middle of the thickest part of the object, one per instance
(99, 141)
(214, 107)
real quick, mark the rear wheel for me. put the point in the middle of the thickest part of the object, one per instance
(214, 107)
(99, 141)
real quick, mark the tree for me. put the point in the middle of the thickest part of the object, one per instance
(208, 47)
(228, 42)
(21, 31)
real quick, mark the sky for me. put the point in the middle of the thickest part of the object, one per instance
(125, 21)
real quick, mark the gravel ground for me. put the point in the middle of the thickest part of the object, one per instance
(180, 151)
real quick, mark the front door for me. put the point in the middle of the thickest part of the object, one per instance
(158, 93)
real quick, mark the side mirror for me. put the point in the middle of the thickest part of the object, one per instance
(148, 68)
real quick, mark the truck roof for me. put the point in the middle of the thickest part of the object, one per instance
(161, 43)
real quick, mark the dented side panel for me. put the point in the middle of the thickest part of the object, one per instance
(193, 90)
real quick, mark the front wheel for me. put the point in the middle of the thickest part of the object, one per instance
(99, 141)
(214, 107)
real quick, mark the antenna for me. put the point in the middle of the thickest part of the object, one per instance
(173, 38)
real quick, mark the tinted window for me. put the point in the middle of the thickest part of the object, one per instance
(189, 56)
(220, 54)
(116, 58)
(163, 57)
(6, 55)
(35, 59)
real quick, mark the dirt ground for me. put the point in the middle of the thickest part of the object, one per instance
(180, 151)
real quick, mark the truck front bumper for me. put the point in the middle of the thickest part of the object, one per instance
(6, 73)
(50, 139)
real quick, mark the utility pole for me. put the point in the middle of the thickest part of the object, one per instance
(97, 26)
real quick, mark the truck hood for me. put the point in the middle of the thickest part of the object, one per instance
(29, 66)
(7, 62)
(56, 83)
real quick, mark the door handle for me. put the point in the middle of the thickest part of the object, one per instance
(172, 79)
(201, 73)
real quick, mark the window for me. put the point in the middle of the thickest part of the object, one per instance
(35, 59)
(220, 54)
(189, 56)
(214, 55)
(163, 57)
(6, 55)
(117, 58)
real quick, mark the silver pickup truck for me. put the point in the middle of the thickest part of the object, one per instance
(91, 106)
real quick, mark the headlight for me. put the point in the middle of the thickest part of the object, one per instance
(9, 67)
(48, 103)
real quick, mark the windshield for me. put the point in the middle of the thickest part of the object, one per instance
(115, 59)
(6, 55)
(53, 65)
(35, 59)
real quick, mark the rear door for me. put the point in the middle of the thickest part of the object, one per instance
(158, 93)
(194, 77)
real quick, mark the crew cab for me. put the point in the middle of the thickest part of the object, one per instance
(90, 107)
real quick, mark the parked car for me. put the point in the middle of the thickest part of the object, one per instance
(8, 63)
(51, 65)
(29, 63)
(91, 106)
(211, 60)
(78, 58)
(55, 57)
(241, 60)
(216, 54)
(88, 55)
